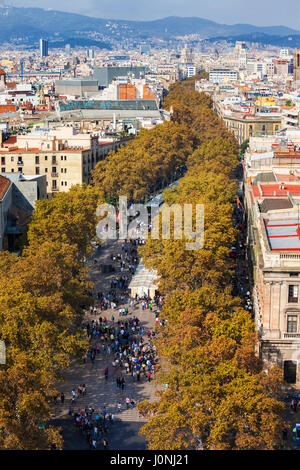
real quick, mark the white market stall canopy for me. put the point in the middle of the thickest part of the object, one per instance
(144, 282)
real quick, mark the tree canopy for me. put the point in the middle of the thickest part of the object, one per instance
(211, 384)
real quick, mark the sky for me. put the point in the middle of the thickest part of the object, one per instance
(257, 12)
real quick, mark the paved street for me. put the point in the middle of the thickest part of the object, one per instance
(101, 392)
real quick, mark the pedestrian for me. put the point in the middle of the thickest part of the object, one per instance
(62, 397)
(119, 406)
(106, 372)
(122, 383)
(127, 402)
(105, 443)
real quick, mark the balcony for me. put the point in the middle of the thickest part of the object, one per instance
(291, 335)
(54, 175)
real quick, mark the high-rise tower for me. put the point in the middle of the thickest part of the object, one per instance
(297, 68)
(43, 47)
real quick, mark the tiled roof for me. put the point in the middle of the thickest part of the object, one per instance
(11, 140)
(4, 185)
(276, 190)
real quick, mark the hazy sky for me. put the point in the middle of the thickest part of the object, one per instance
(258, 12)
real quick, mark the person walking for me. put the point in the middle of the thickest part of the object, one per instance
(122, 383)
(62, 397)
(127, 402)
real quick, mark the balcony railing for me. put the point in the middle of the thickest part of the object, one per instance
(291, 335)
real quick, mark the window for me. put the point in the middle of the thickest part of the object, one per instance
(62, 183)
(291, 324)
(46, 158)
(65, 157)
(20, 169)
(263, 128)
(37, 170)
(293, 294)
(2, 170)
(12, 170)
(65, 170)
(294, 274)
(11, 159)
(61, 157)
(290, 371)
(53, 160)
(54, 186)
(46, 170)
(37, 160)
(62, 170)
(2, 160)
(65, 183)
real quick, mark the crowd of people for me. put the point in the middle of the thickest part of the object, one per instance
(241, 282)
(119, 337)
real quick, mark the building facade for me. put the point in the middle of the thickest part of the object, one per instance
(244, 126)
(296, 66)
(66, 158)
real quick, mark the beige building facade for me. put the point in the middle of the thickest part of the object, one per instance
(66, 158)
(244, 126)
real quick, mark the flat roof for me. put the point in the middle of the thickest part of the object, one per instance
(276, 190)
(275, 204)
(107, 105)
(282, 234)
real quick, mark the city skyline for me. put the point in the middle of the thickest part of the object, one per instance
(227, 12)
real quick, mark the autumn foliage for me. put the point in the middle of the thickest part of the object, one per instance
(211, 384)
(42, 295)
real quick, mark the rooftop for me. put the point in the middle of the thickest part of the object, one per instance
(282, 234)
(135, 105)
(4, 185)
(275, 204)
(276, 190)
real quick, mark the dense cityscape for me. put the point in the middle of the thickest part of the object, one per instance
(149, 235)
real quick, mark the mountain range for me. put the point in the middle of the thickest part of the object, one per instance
(24, 26)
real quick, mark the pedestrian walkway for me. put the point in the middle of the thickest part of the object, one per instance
(103, 392)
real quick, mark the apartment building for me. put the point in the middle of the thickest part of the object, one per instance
(245, 126)
(66, 158)
(18, 195)
(223, 75)
(272, 200)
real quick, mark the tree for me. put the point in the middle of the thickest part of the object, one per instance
(217, 389)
